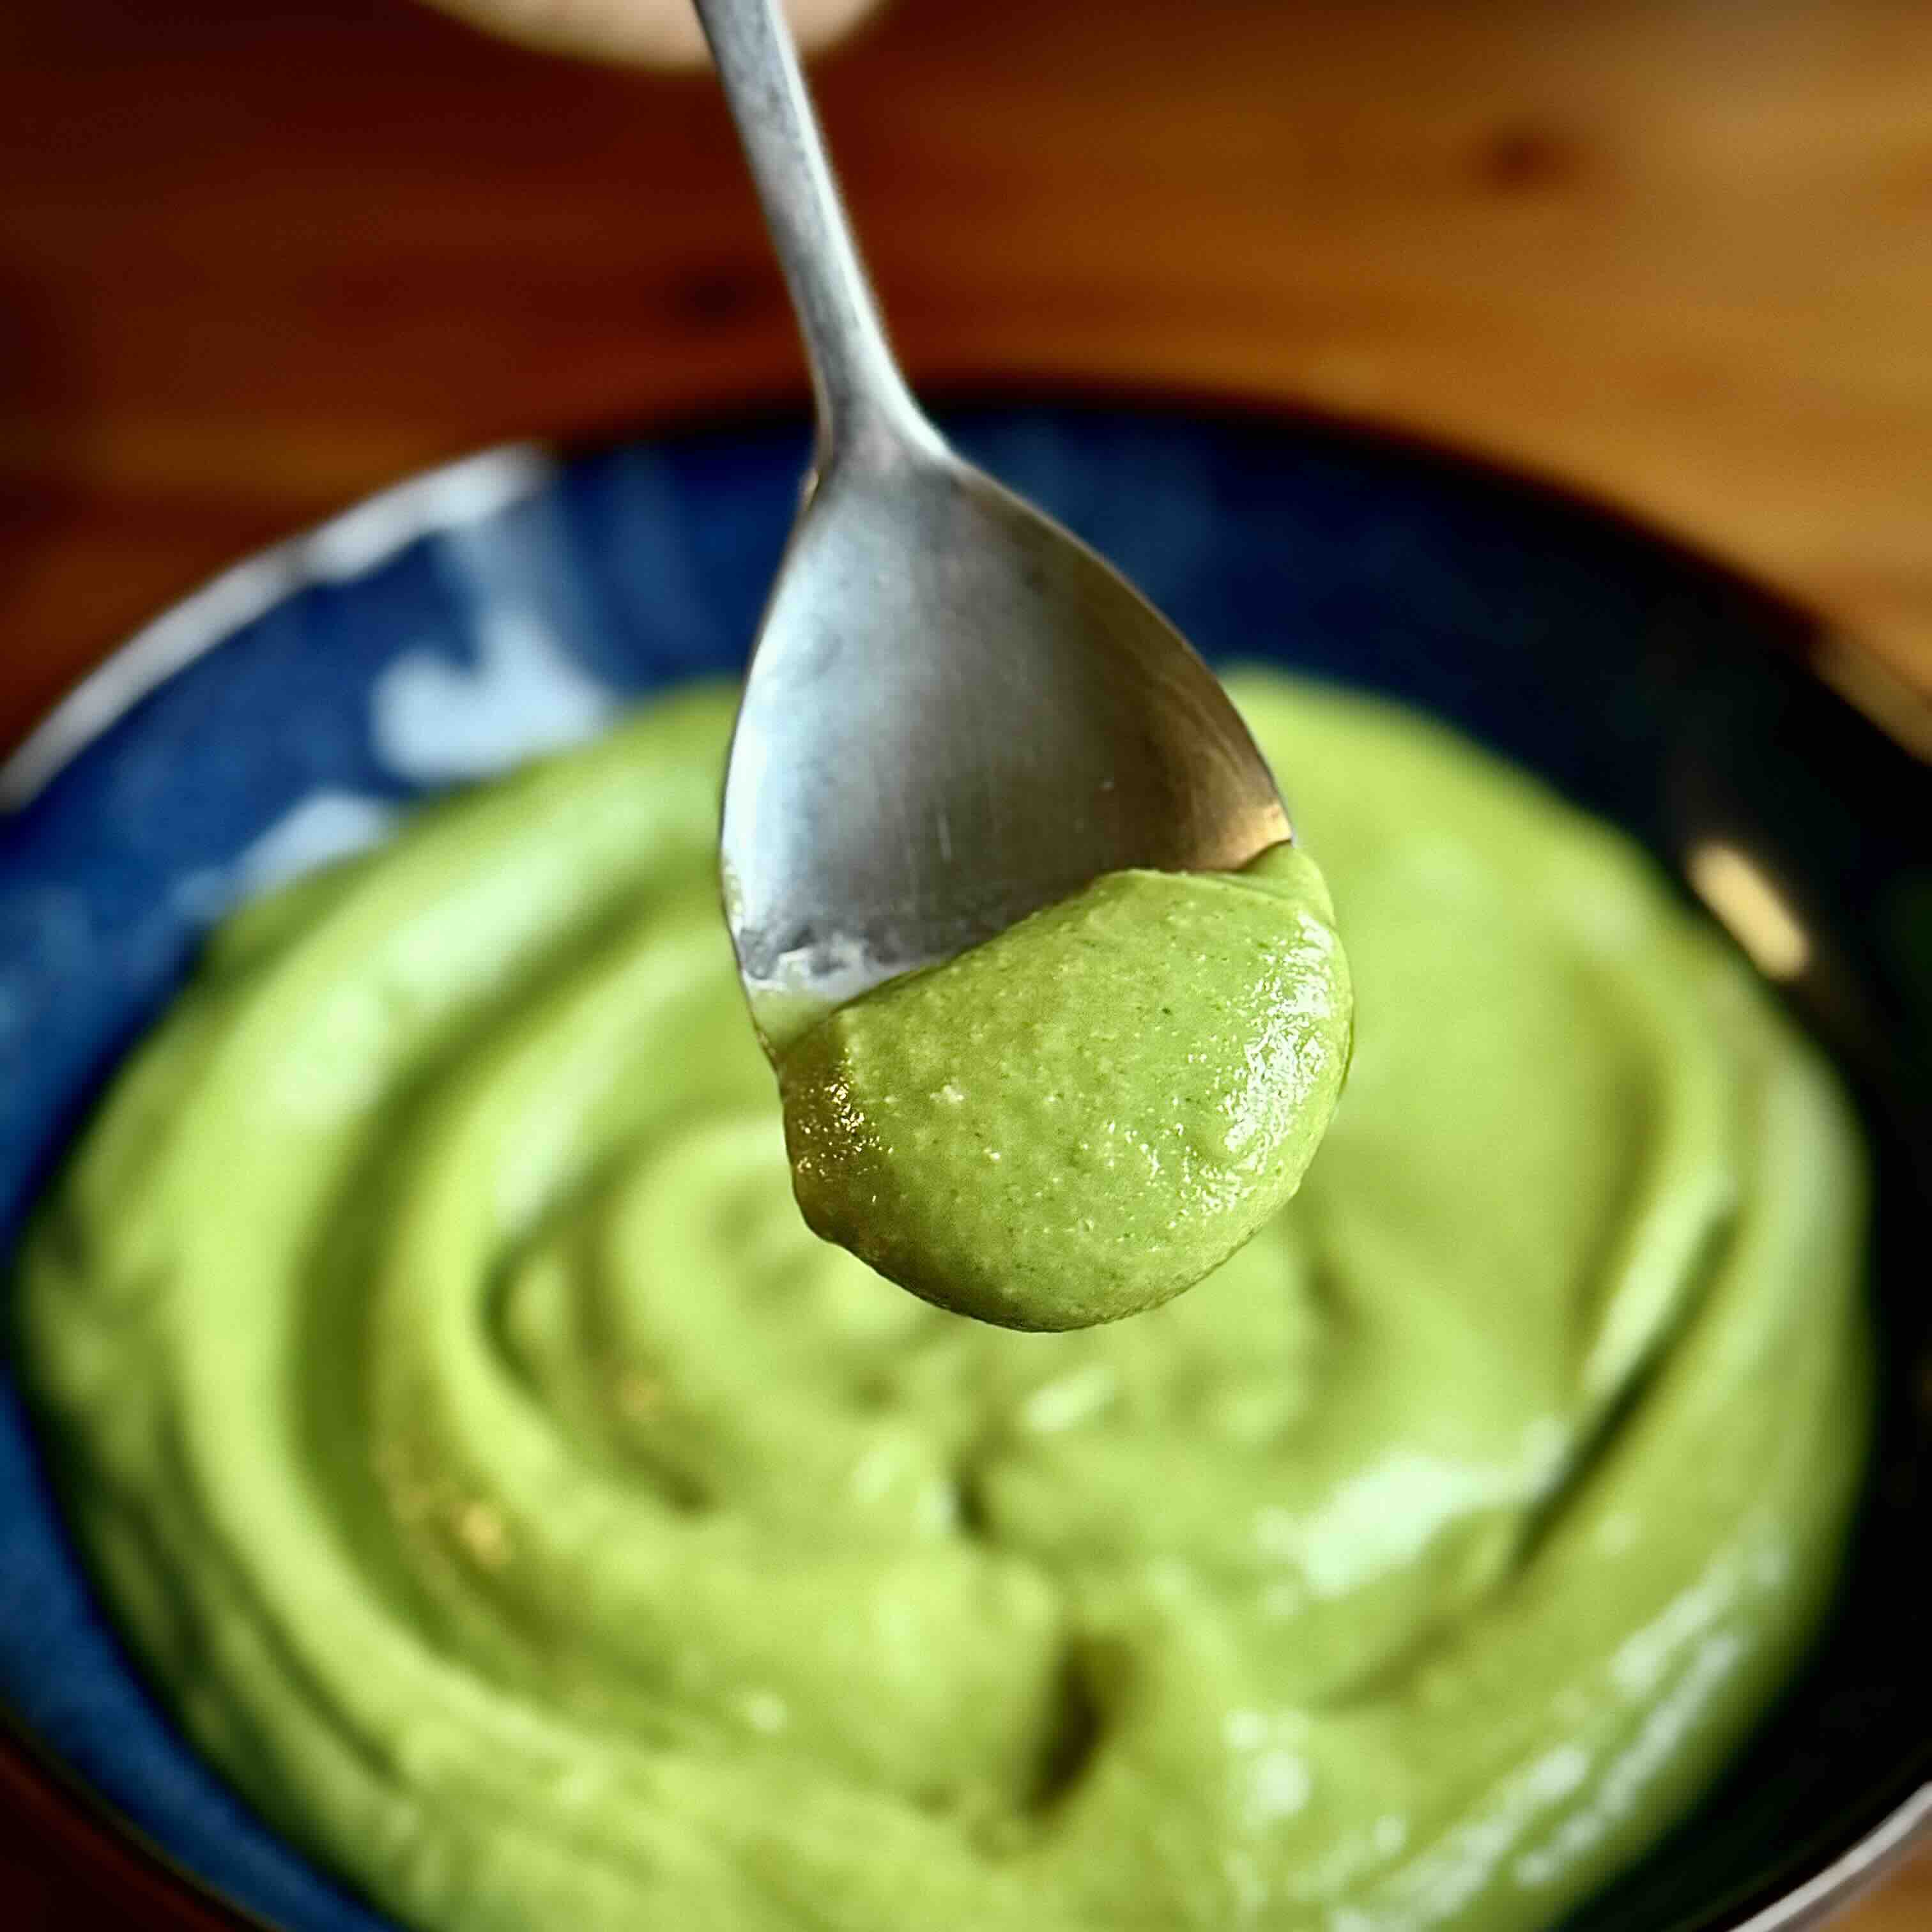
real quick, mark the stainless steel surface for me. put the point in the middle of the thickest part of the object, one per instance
(956, 713)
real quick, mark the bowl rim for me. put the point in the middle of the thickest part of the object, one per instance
(55, 1801)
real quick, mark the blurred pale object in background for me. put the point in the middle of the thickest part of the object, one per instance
(654, 33)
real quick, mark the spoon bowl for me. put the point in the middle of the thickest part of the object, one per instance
(956, 713)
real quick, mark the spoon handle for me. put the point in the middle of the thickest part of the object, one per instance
(863, 402)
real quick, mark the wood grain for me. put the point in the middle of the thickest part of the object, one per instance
(256, 262)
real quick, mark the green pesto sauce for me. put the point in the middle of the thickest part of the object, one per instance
(1083, 1117)
(506, 1491)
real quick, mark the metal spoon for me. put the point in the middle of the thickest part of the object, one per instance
(956, 713)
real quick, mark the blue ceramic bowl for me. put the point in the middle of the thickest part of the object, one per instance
(436, 634)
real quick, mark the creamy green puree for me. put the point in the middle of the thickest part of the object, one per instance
(505, 1489)
(1080, 1118)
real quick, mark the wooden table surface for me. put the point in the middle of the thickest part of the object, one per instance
(257, 261)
